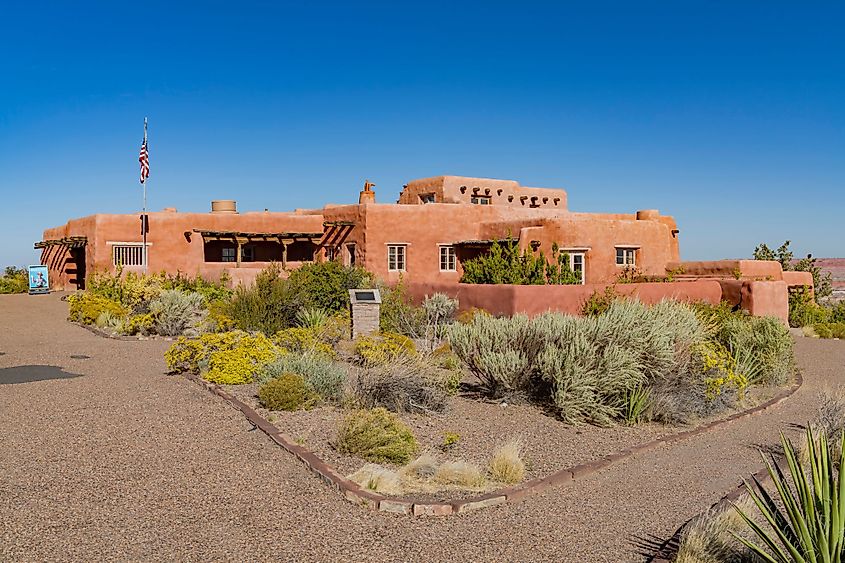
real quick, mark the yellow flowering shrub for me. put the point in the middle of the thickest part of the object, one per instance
(240, 364)
(303, 339)
(218, 319)
(139, 324)
(85, 308)
(719, 369)
(187, 354)
(383, 347)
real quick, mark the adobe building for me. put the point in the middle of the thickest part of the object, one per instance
(436, 224)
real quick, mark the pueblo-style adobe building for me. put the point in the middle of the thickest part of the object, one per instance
(436, 224)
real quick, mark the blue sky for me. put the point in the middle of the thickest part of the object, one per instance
(728, 115)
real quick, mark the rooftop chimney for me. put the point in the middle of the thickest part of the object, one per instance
(367, 195)
(224, 206)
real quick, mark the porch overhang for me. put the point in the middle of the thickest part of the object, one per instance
(68, 242)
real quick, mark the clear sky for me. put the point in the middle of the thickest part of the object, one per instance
(728, 115)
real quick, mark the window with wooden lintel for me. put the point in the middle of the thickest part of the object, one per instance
(448, 263)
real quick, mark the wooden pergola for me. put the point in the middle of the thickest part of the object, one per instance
(241, 238)
(68, 242)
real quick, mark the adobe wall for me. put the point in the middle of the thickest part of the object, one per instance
(460, 189)
(537, 299)
(173, 246)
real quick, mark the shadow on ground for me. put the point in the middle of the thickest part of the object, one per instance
(28, 374)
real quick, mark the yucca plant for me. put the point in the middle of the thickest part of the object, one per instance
(637, 402)
(311, 317)
(808, 519)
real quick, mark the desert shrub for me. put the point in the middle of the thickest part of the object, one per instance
(600, 301)
(240, 364)
(323, 376)
(177, 312)
(86, 307)
(288, 392)
(459, 473)
(500, 352)
(837, 312)
(14, 280)
(805, 516)
(211, 291)
(311, 317)
(190, 354)
(376, 435)
(466, 317)
(803, 309)
(766, 339)
(218, 319)
(108, 321)
(139, 324)
(507, 466)
(709, 537)
(719, 369)
(439, 309)
(379, 479)
(830, 330)
(268, 305)
(134, 291)
(400, 386)
(301, 339)
(423, 467)
(397, 314)
(326, 285)
(382, 348)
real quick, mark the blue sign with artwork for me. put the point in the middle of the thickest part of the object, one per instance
(39, 281)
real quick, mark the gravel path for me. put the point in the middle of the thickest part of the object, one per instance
(125, 463)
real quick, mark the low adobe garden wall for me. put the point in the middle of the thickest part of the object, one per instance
(759, 298)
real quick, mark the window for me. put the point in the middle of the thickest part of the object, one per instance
(447, 259)
(577, 261)
(229, 254)
(396, 257)
(350, 254)
(626, 256)
(427, 198)
(480, 200)
(131, 254)
(247, 254)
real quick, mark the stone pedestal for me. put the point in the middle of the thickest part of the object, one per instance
(365, 307)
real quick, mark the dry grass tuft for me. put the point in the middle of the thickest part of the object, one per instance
(460, 473)
(379, 479)
(708, 538)
(424, 467)
(507, 466)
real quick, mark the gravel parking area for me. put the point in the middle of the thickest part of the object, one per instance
(126, 463)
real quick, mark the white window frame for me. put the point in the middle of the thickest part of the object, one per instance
(397, 257)
(448, 256)
(128, 249)
(627, 251)
(351, 249)
(582, 252)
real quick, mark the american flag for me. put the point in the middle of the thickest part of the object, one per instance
(144, 156)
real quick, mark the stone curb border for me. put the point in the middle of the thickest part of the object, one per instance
(375, 501)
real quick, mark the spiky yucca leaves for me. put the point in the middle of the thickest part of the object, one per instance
(807, 519)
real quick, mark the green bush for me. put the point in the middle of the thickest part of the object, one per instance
(766, 339)
(830, 330)
(191, 354)
(377, 435)
(326, 285)
(382, 348)
(268, 305)
(600, 301)
(86, 307)
(14, 280)
(288, 392)
(506, 264)
(803, 309)
(397, 314)
(822, 281)
(323, 376)
(176, 312)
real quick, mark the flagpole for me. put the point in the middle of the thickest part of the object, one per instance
(144, 221)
